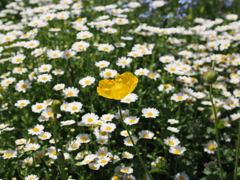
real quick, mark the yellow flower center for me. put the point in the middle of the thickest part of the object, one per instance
(181, 178)
(149, 114)
(211, 147)
(102, 155)
(179, 98)
(54, 153)
(22, 104)
(44, 136)
(49, 113)
(105, 48)
(172, 69)
(108, 128)
(89, 120)
(74, 108)
(146, 135)
(69, 93)
(44, 78)
(126, 170)
(35, 129)
(130, 142)
(132, 120)
(83, 139)
(171, 143)
(40, 154)
(8, 155)
(101, 141)
(75, 144)
(39, 107)
(87, 82)
(19, 59)
(176, 151)
(108, 74)
(103, 133)
(23, 86)
(151, 75)
(115, 178)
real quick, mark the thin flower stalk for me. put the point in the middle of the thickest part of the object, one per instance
(134, 145)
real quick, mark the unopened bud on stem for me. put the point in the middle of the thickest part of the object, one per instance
(56, 106)
(211, 76)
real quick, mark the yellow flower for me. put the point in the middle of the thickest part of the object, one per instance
(117, 89)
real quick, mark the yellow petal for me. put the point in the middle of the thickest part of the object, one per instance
(123, 85)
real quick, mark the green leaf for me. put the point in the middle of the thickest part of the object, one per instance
(220, 124)
(238, 171)
(156, 170)
(210, 130)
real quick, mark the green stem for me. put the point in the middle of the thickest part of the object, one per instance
(134, 146)
(60, 157)
(237, 152)
(216, 131)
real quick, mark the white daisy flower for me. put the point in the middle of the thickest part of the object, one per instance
(70, 92)
(54, 54)
(36, 130)
(173, 129)
(171, 141)
(177, 149)
(124, 62)
(45, 68)
(146, 134)
(210, 147)
(89, 118)
(58, 87)
(9, 154)
(108, 73)
(105, 47)
(127, 155)
(44, 135)
(22, 103)
(128, 142)
(181, 176)
(131, 120)
(86, 81)
(67, 123)
(102, 64)
(132, 97)
(23, 85)
(150, 112)
(44, 78)
(18, 59)
(108, 127)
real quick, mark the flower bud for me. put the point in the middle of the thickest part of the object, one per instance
(56, 106)
(211, 76)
